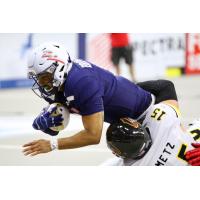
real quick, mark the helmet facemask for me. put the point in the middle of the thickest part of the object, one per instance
(45, 85)
(48, 66)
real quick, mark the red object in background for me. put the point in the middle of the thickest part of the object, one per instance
(119, 39)
(192, 53)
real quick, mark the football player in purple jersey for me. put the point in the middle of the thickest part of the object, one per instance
(86, 89)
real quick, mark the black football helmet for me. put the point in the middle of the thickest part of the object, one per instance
(128, 139)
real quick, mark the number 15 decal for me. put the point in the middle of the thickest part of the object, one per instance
(158, 114)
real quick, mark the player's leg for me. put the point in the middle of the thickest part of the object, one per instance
(163, 90)
(132, 72)
(115, 57)
(128, 56)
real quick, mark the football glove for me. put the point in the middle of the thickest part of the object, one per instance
(44, 121)
(193, 156)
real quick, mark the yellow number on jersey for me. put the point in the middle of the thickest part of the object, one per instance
(157, 114)
(181, 152)
(195, 134)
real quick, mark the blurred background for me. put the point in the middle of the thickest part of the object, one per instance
(174, 56)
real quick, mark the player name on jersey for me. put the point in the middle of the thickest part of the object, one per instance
(163, 158)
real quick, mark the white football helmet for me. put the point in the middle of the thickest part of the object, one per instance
(51, 58)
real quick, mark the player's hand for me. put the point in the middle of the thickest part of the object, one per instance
(45, 120)
(193, 156)
(37, 147)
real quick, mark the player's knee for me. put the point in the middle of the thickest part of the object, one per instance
(170, 84)
(167, 83)
(169, 90)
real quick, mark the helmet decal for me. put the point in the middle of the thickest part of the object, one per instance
(130, 122)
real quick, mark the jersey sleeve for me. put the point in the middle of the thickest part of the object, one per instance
(88, 95)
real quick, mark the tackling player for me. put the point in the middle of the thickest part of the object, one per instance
(86, 89)
(159, 141)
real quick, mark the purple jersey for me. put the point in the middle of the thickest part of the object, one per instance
(90, 89)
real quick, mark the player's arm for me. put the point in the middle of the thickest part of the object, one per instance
(93, 125)
(90, 103)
